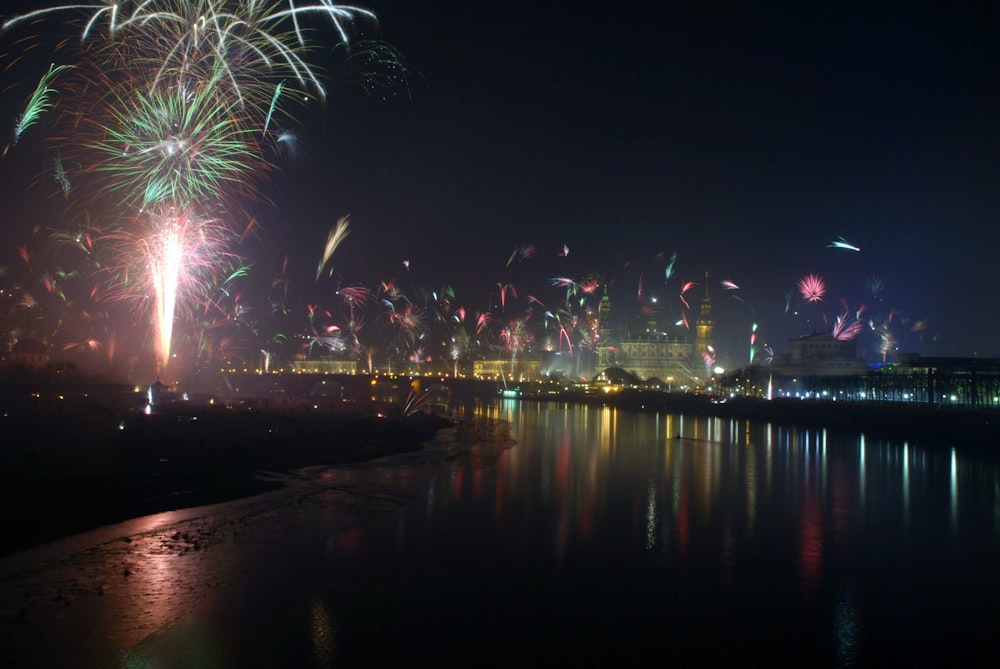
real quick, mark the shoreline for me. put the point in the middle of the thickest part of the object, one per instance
(930, 425)
(77, 463)
(117, 590)
(83, 456)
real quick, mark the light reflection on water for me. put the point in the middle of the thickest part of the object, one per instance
(830, 535)
(688, 540)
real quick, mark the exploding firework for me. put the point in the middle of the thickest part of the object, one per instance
(846, 327)
(812, 288)
(170, 119)
(172, 257)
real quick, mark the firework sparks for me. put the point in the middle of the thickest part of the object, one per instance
(338, 233)
(669, 271)
(38, 104)
(173, 257)
(688, 285)
(522, 252)
(812, 288)
(173, 100)
(846, 327)
(841, 243)
(274, 103)
(60, 175)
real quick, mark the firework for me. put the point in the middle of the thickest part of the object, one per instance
(169, 116)
(274, 103)
(170, 258)
(688, 285)
(669, 271)
(846, 326)
(39, 103)
(166, 145)
(378, 68)
(188, 36)
(841, 243)
(522, 252)
(60, 175)
(338, 233)
(812, 288)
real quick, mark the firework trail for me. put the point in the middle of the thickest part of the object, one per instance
(60, 175)
(39, 102)
(841, 243)
(522, 252)
(688, 285)
(337, 235)
(669, 271)
(274, 103)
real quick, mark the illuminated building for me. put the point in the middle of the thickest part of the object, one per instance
(527, 367)
(29, 353)
(654, 352)
(325, 366)
(703, 343)
(819, 355)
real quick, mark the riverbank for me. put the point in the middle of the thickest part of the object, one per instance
(938, 425)
(80, 457)
(77, 455)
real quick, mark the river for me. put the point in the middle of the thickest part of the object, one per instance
(599, 537)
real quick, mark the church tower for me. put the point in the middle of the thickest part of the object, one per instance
(704, 325)
(605, 358)
(604, 318)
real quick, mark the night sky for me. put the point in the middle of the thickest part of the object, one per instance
(745, 137)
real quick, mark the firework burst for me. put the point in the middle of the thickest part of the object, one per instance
(812, 288)
(169, 120)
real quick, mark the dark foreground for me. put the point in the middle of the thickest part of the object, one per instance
(85, 457)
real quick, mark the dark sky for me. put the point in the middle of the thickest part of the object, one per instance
(745, 137)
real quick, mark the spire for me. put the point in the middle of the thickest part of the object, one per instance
(706, 302)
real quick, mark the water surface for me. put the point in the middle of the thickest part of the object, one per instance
(601, 538)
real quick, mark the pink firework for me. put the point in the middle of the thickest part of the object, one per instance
(846, 327)
(173, 256)
(812, 288)
(483, 319)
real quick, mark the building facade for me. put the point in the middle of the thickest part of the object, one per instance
(653, 351)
